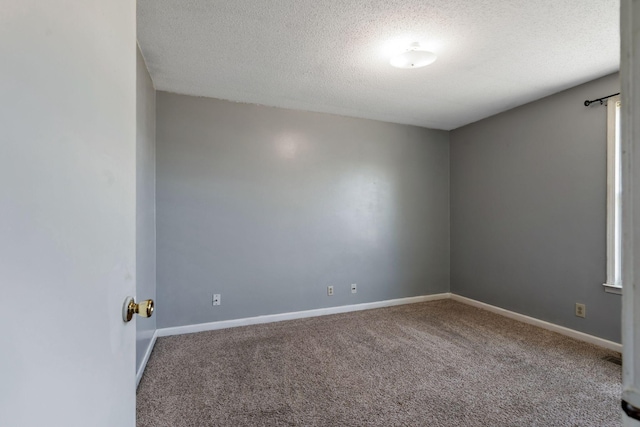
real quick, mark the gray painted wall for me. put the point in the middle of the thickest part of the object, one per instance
(269, 206)
(528, 210)
(145, 203)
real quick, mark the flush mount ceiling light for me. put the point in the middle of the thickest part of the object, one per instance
(413, 57)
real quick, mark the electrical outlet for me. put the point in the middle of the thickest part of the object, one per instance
(216, 299)
(354, 288)
(330, 290)
(581, 310)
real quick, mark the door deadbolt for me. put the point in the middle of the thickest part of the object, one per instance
(143, 309)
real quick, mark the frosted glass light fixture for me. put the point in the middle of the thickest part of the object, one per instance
(413, 57)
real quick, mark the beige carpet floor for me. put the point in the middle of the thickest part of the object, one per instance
(438, 363)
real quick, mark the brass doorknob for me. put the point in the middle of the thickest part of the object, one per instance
(143, 309)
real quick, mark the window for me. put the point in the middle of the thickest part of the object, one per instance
(614, 197)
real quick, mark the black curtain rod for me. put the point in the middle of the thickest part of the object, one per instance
(586, 103)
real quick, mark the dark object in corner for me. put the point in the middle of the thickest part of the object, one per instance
(613, 359)
(630, 410)
(587, 102)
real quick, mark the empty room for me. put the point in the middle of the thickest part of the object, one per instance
(320, 213)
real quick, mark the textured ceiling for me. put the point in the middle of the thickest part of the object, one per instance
(332, 56)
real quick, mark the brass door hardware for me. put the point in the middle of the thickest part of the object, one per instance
(143, 309)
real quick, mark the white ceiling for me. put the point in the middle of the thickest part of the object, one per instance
(332, 56)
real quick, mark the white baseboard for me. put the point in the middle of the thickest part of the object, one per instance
(540, 323)
(147, 353)
(223, 324)
(211, 326)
